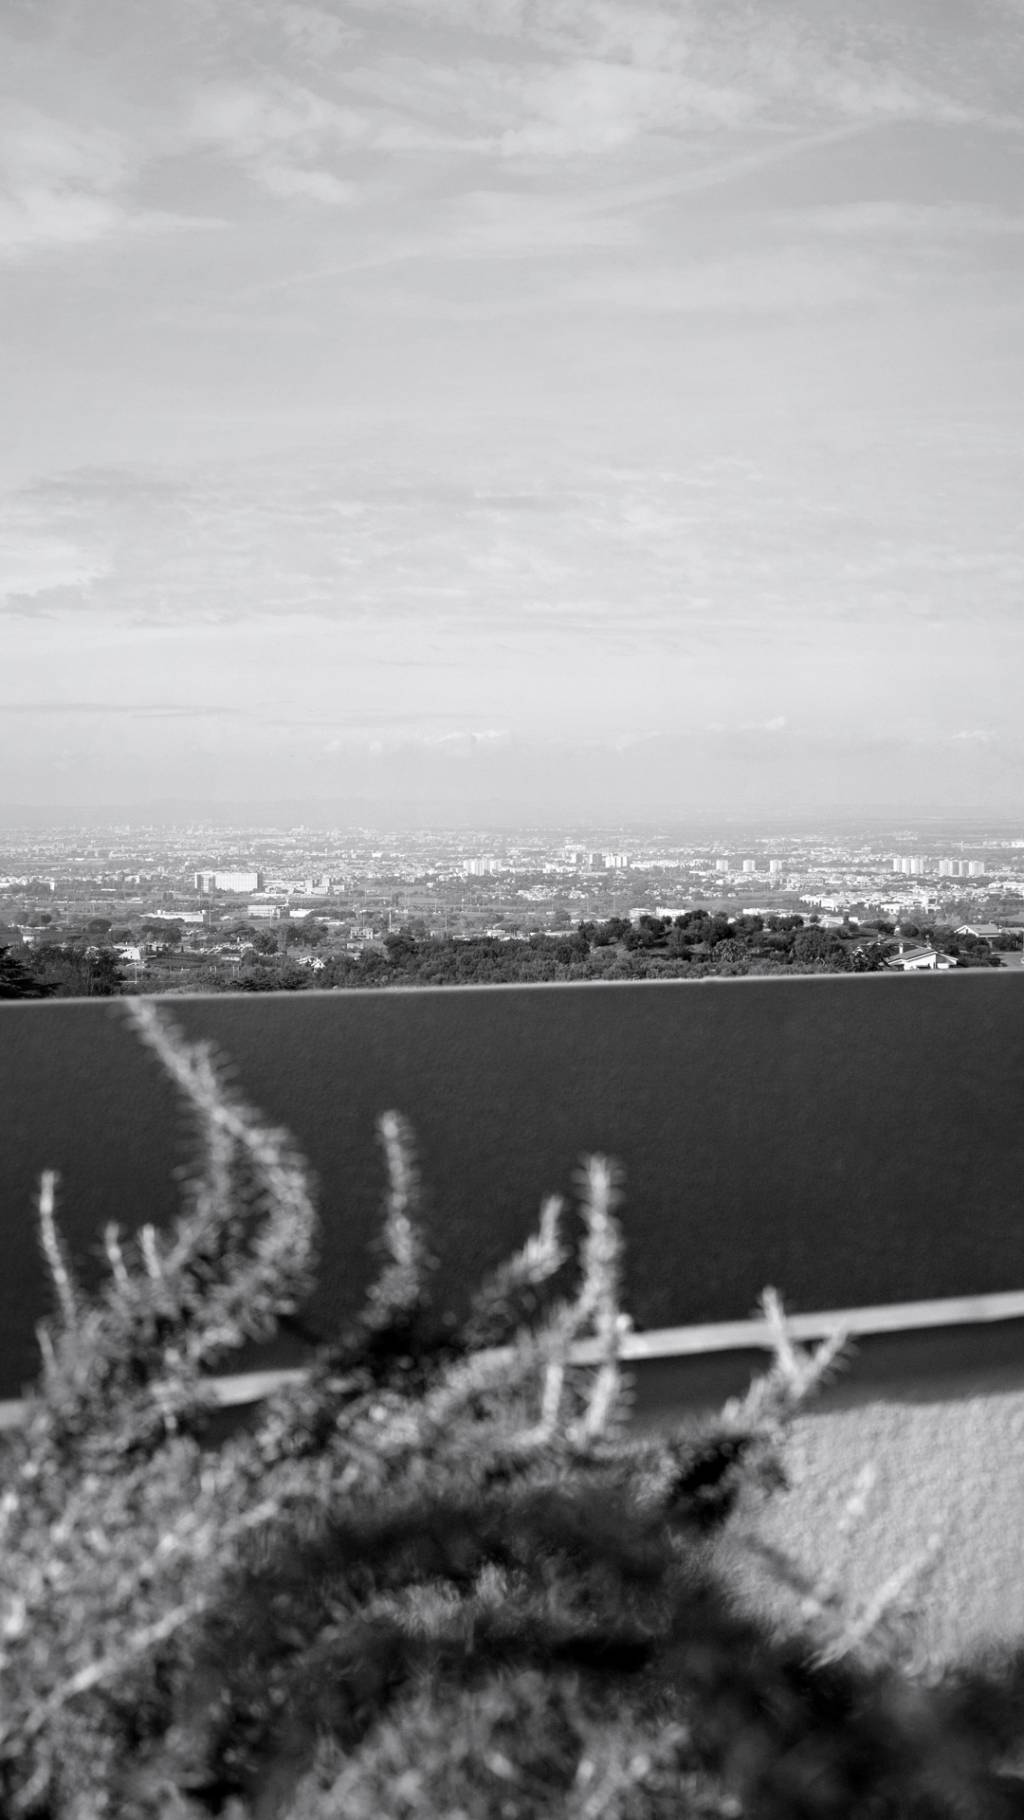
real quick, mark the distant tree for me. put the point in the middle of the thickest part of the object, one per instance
(812, 944)
(17, 980)
(287, 977)
(646, 932)
(731, 953)
(339, 971)
(400, 948)
(570, 948)
(610, 931)
(306, 934)
(170, 933)
(867, 957)
(72, 970)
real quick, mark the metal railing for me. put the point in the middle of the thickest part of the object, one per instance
(238, 1389)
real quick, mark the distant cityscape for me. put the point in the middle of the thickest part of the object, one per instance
(354, 887)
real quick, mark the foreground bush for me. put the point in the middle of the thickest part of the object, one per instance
(437, 1576)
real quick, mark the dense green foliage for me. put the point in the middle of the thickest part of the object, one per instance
(435, 1576)
(60, 970)
(18, 980)
(697, 944)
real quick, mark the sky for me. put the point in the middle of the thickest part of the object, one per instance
(572, 406)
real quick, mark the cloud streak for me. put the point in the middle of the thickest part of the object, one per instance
(63, 185)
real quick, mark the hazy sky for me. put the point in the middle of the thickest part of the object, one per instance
(599, 401)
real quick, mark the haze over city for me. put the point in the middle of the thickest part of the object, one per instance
(493, 410)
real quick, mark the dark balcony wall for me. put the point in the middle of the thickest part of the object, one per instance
(851, 1140)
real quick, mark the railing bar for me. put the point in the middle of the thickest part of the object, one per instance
(691, 1342)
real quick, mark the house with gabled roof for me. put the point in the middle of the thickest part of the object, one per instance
(921, 960)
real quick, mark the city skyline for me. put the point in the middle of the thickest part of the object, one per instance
(605, 410)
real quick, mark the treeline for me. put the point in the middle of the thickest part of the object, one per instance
(695, 945)
(71, 969)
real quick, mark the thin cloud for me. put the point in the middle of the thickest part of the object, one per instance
(361, 718)
(280, 134)
(146, 709)
(622, 555)
(511, 224)
(33, 563)
(898, 220)
(791, 61)
(65, 185)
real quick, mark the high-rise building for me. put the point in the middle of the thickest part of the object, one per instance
(976, 868)
(228, 881)
(750, 865)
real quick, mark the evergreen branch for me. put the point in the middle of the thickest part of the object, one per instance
(600, 1292)
(795, 1375)
(109, 1669)
(510, 1293)
(115, 1257)
(399, 1289)
(863, 1630)
(53, 1251)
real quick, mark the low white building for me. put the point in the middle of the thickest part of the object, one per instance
(921, 960)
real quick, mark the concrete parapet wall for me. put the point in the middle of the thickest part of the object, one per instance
(851, 1140)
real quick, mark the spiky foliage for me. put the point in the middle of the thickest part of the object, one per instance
(435, 1576)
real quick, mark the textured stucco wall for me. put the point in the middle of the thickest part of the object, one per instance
(951, 1467)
